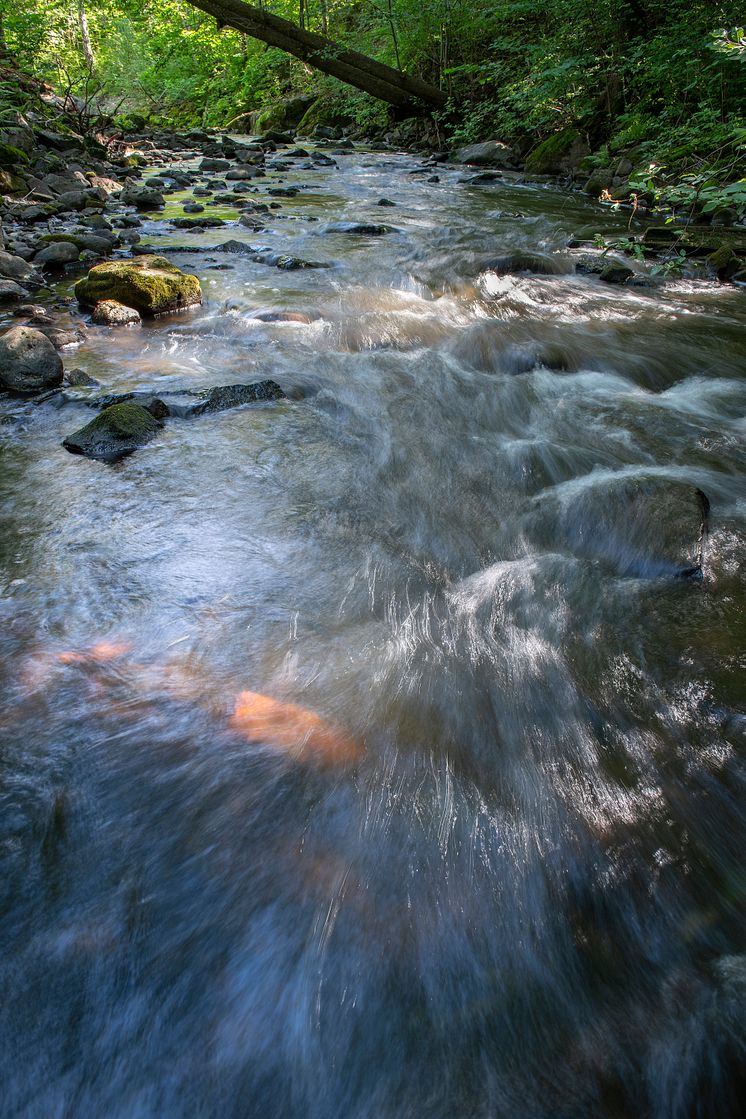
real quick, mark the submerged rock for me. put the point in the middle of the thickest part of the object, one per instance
(150, 284)
(28, 361)
(117, 431)
(643, 527)
(521, 262)
(284, 316)
(110, 313)
(197, 223)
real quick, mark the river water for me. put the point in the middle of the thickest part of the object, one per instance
(514, 887)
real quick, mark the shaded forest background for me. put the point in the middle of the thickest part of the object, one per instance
(663, 81)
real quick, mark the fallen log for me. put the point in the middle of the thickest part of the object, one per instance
(381, 81)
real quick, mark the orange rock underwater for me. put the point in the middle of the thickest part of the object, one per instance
(294, 730)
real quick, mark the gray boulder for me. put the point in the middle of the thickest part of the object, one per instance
(14, 267)
(64, 182)
(76, 200)
(57, 255)
(108, 312)
(142, 197)
(28, 361)
(241, 173)
(492, 153)
(11, 292)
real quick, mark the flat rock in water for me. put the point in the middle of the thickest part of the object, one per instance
(361, 228)
(483, 179)
(115, 432)
(142, 197)
(197, 223)
(150, 284)
(28, 361)
(231, 396)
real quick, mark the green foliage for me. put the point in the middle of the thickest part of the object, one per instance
(672, 264)
(620, 244)
(731, 42)
(655, 81)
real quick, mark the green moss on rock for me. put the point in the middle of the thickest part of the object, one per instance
(10, 183)
(284, 114)
(323, 113)
(115, 432)
(724, 262)
(11, 157)
(557, 153)
(150, 284)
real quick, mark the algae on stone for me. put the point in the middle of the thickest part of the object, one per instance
(557, 153)
(115, 432)
(150, 284)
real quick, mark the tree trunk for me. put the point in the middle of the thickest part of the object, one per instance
(85, 37)
(383, 82)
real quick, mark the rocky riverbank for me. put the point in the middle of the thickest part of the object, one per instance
(75, 209)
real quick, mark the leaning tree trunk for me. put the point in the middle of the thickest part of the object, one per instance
(383, 82)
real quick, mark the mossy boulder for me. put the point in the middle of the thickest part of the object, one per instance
(564, 151)
(11, 183)
(116, 431)
(284, 114)
(11, 157)
(150, 284)
(323, 113)
(724, 262)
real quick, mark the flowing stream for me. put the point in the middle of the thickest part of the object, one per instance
(514, 889)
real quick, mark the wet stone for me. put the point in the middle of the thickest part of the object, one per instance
(232, 396)
(616, 274)
(78, 378)
(116, 432)
(111, 313)
(28, 361)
